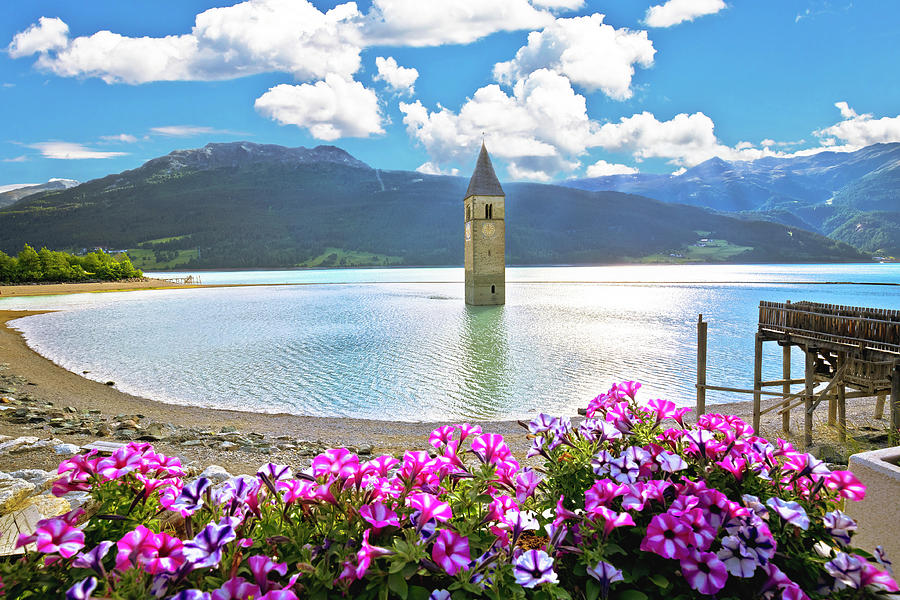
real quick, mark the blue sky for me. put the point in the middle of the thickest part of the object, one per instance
(559, 88)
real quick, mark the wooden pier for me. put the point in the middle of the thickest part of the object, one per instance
(854, 350)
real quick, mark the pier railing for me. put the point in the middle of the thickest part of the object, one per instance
(870, 328)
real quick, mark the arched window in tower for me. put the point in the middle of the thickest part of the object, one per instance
(490, 211)
(493, 289)
(486, 211)
(468, 213)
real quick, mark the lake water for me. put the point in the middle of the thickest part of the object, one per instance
(400, 344)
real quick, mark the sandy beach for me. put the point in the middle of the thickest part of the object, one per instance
(47, 383)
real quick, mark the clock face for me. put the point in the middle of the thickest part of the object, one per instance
(488, 230)
(468, 231)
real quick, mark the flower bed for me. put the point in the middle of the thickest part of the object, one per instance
(630, 504)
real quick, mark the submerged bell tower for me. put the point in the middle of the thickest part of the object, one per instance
(485, 257)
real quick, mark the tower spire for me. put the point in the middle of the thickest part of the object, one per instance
(484, 180)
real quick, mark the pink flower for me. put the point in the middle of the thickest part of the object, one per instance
(366, 553)
(380, 466)
(498, 507)
(430, 506)
(414, 466)
(165, 554)
(602, 493)
(704, 572)
(296, 489)
(491, 448)
(261, 566)
(441, 436)
(378, 515)
(236, 588)
(133, 547)
(465, 430)
(613, 519)
(336, 461)
(451, 551)
(846, 485)
(667, 535)
(57, 536)
(123, 461)
(526, 484)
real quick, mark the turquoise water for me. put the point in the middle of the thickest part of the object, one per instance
(399, 344)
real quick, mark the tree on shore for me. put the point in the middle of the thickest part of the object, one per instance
(46, 266)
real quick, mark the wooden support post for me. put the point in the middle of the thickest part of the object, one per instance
(757, 380)
(832, 411)
(841, 398)
(786, 387)
(701, 366)
(810, 372)
(879, 406)
(895, 401)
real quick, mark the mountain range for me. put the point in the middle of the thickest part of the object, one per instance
(852, 197)
(242, 204)
(11, 196)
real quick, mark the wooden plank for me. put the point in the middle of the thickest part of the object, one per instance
(895, 399)
(701, 365)
(757, 378)
(842, 410)
(721, 388)
(787, 380)
(103, 447)
(786, 386)
(808, 397)
(879, 406)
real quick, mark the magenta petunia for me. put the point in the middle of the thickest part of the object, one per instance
(378, 515)
(366, 553)
(527, 482)
(339, 462)
(704, 572)
(846, 485)
(602, 493)
(123, 461)
(441, 436)
(166, 554)
(667, 535)
(612, 519)
(58, 536)
(451, 551)
(261, 566)
(236, 588)
(380, 465)
(466, 430)
(491, 448)
(430, 507)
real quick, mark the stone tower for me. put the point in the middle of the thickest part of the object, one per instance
(485, 236)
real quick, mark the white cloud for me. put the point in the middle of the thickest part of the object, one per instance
(860, 130)
(122, 137)
(674, 12)
(539, 129)
(437, 22)
(429, 168)
(21, 158)
(14, 186)
(602, 168)
(43, 36)
(678, 171)
(255, 36)
(589, 52)
(330, 109)
(71, 151)
(187, 130)
(399, 79)
(559, 4)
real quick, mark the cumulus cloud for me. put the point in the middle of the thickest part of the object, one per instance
(255, 36)
(400, 79)
(559, 4)
(437, 22)
(71, 151)
(43, 36)
(860, 130)
(330, 109)
(589, 52)
(429, 168)
(539, 130)
(602, 168)
(17, 159)
(674, 12)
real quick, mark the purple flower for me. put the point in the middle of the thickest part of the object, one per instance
(191, 497)
(790, 511)
(261, 566)
(82, 590)
(439, 595)
(847, 569)
(601, 461)
(205, 550)
(94, 558)
(733, 557)
(758, 508)
(704, 572)
(670, 462)
(839, 526)
(275, 472)
(606, 574)
(533, 568)
(882, 559)
(542, 424)
(191, 595)
(451, 551)
(526, 483)
(236, 588)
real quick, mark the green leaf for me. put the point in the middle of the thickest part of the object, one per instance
(592, 590)
(409, 570)
(417, 592)
(659, 580)
(397, 583)
(631, 595)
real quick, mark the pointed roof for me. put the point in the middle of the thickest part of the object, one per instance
(484, 181)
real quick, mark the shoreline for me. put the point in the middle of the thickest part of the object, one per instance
(53, 387)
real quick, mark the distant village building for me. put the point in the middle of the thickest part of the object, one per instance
(485, 256)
